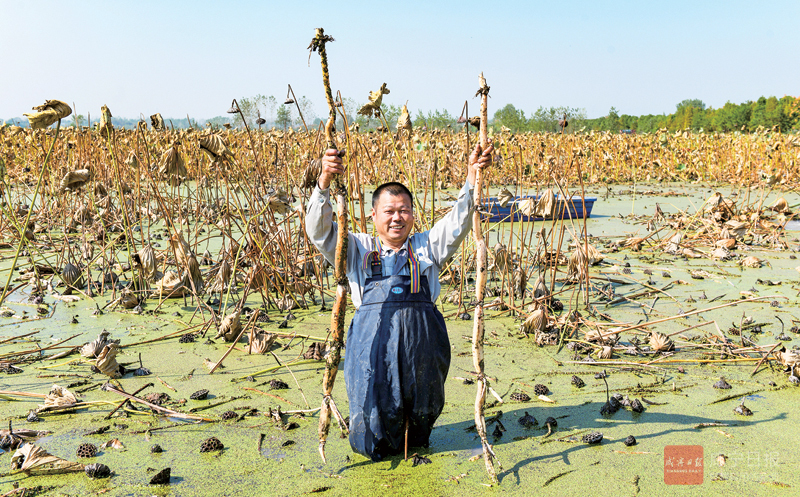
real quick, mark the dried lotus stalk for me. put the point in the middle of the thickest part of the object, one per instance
(230, 327)
(107, 361)
(660, 342)
(48, 113)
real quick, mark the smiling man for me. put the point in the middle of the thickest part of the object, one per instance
(397, 351)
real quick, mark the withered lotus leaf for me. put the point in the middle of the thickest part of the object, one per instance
(48, 113)
(373, 107)
(34, 460)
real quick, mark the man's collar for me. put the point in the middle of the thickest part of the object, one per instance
(387, 251)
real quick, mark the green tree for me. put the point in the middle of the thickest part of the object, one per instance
(691, 102)
(510, 117)
(284, 116)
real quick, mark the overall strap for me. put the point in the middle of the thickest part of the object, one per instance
(372, 263)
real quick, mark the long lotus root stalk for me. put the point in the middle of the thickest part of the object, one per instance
(340, 269)
(480, 293)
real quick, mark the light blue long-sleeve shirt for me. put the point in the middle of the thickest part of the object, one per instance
(433, 247)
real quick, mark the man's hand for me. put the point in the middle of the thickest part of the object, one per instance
(479, 160)
(331, 166)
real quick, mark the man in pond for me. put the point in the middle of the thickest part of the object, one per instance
(397, 351)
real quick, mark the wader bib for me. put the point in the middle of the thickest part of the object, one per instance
(396, 360)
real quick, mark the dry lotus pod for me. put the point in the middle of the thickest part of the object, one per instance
(157, 122)
(605, 352)
(546, 205)
(373, 107)
(474, 121)
(93, 348)
(726, 243)
(74, 180)
(230, 327)
(660, 342)
(504, 197)
(48, 113)
(106, 129)
(215, 146)
(34, 461)
(72, 277)
(171, 166)
(537, 321)
(58, 397)
(261, 342)
(404, 121)
(751, 261)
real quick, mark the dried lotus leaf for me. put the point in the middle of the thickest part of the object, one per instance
(230, 327)
(373, 107)
(605, 352)
(279, 203)
(751, 261)
(171, 285)
(404, 121)
(107, 361)
(780, 205)
(181, 248)
(261, 342)
(536, 322)
(527, 207)
(48, 113)
(214, 145)
(311, 174)
(546, 206)
(106, 129)
(157, 122)
(660, 342)
(34, 460)
(504, 197)
(145, 262)
(634, 243)
(93, 348)
(128, 300)
(72, 277)
(171, 166)
(74, 180)
(58, 397)
(114, 443)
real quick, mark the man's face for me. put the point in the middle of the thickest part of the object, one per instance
(393, 218)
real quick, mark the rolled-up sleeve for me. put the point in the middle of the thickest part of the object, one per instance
(320, 228)
(447, 234)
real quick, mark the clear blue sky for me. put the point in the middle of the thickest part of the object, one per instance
(180, 58)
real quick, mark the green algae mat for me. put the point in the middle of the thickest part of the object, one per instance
(690, 439)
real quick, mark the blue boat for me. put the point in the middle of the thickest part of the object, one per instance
(573, 209)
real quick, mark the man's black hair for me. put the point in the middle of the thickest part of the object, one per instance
(392, 188)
